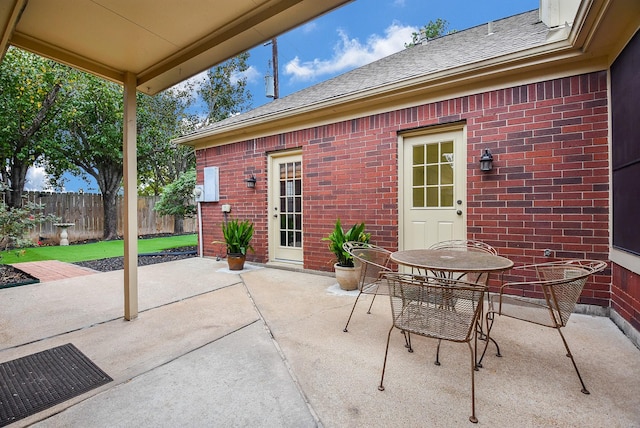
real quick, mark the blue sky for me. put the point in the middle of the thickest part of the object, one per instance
(346, 38)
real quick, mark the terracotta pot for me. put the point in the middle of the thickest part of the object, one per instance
(347, 277)
(236, 261)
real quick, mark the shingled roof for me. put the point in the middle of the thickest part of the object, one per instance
(507, 36)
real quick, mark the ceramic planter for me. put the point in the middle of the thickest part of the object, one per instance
(347, 277)
(236, 261)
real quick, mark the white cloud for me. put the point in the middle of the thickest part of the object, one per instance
(251, 74)
(37, 179)
(309, 28)
(193, 83)
(351, 53)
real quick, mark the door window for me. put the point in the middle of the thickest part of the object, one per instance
(290, 204)
(432, 172)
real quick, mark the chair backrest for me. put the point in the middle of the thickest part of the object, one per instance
(562, 283)
(371, 259)
(467, 245)
(434, 307)
(464, 245)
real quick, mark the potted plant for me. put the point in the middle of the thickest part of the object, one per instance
(237, 237)
(346, 273)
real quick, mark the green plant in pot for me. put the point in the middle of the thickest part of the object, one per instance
(237, 237)
(346, 273)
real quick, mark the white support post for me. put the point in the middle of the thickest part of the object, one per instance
(130, 167)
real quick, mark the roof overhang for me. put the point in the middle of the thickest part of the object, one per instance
(161, 43)
(600, 31)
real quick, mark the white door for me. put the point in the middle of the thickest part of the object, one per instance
(285, 208)
(432, 189)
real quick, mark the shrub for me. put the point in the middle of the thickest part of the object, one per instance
(15, 223)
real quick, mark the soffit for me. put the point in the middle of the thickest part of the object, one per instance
(162, 43)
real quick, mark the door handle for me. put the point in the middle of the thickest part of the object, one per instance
(459, 212)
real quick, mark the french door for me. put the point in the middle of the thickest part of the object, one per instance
(285, 208)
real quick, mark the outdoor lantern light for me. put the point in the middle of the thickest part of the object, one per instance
(486, 161)
(251, 182)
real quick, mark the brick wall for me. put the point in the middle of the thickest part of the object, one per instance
(626, 295)
(549, 187)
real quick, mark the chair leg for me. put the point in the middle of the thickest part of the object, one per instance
(584, 388)
(384, 364)
(473, 418)
(373, 299)
(437, 362)
(487, 338)
(407, 341)
(351, 314)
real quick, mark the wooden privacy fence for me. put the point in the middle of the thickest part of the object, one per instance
(85, 211)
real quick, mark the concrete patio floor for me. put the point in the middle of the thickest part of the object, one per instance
(265, 348)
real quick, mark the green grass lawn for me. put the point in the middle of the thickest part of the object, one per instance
(94, 251)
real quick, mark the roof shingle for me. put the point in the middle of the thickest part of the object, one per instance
(509, 35)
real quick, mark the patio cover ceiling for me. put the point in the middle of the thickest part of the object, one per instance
(160, 42)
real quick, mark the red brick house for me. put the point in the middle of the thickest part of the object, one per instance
(553, 94)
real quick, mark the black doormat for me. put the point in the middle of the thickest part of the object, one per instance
(36, 382)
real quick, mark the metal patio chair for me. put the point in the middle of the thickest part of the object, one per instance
(472, 277)
(372, 261)
(560, 283)
(439, 308)
(466, 245)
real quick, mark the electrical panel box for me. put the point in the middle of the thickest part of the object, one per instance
(211, 190)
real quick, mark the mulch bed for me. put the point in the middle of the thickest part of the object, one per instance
(117, 263)
(13, 277)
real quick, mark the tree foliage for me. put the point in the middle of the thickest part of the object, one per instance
(71, 121)
(177, 198)
(161, 118)
(225, 94)
(430, 31)
(225, 91)
(32, 90)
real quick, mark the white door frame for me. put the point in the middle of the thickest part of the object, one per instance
(276, 252)
(460, 161)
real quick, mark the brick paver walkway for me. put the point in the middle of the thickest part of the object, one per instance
(53, 270)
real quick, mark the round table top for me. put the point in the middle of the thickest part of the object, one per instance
(452, 260)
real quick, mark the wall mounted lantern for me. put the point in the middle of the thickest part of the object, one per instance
(251, 182)
(486, 161)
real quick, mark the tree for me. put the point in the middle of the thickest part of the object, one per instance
(225, 90)
(430, 31)
(31, 89)
(177, 199)
(162, 118)
(90, 141)
(225, 93)
(92, 135)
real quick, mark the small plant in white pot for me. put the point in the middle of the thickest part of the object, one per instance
(346, 273)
